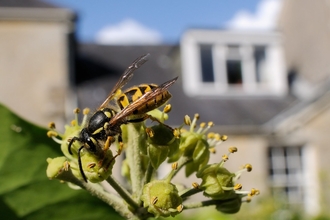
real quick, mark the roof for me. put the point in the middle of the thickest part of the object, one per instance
(237, 114)
(26, 4)
(34, 10)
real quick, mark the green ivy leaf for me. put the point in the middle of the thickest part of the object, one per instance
(25, 191)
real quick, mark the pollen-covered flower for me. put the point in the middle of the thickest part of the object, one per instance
(196, 144)
(217, 182)
(221, 185)
(162, 140)
(56, 167)
(70, 131)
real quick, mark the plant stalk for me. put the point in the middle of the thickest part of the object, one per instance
(148, 174)
(134, 141)
(122, 192)
(182, 161)
(111, 199)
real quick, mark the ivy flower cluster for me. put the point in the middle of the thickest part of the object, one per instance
(146, 147)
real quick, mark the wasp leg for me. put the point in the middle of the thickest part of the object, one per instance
(80, 165)
(108, 143)
(110, 140)
(71, 142)
(121, 145)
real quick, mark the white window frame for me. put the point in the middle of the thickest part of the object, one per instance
(191, 63)
(283, 160)
(306, 179)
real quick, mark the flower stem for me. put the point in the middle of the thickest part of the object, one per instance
(190, 192)
(182, 161)
(194, 205)
(111, 199)
(134, 141)
(148, 174)
(122, 192)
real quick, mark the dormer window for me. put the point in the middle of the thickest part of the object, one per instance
(223, 63)
(234, 65)
(206, 63)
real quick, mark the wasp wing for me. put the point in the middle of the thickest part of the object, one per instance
(125, 77)
(128, 110)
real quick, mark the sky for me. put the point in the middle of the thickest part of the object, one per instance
(154, 22)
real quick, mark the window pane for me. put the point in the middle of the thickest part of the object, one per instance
(207, 63)
(285, 172)
(260, 58)
(234, 71)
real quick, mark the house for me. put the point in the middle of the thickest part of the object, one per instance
(268, 91)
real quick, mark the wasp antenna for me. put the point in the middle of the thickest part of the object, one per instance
(80, 165)
(70, 144)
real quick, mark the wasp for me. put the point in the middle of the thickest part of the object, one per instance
(104, 125)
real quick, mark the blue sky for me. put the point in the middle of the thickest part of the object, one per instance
(109, 21)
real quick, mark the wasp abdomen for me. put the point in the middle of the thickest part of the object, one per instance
(133, 94)
(156, 102)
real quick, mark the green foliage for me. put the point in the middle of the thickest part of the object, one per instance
(25, 191)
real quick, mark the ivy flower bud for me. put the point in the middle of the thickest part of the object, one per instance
(217, 182)
(161, 198)
(198, 150)
(160, 134)
(196, 144)
(162, 143)
(230, 206)
(60, 168)
(96, 170)
(56, 166)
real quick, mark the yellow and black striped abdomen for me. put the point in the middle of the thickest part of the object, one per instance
(133, 94)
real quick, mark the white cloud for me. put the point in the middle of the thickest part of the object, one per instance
(265, 17)
(128, 32)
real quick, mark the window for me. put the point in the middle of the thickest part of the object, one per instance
(260, 62)
(224, 63)
(234, 72)
(286, 173)
(207, 63)
(234, 65)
